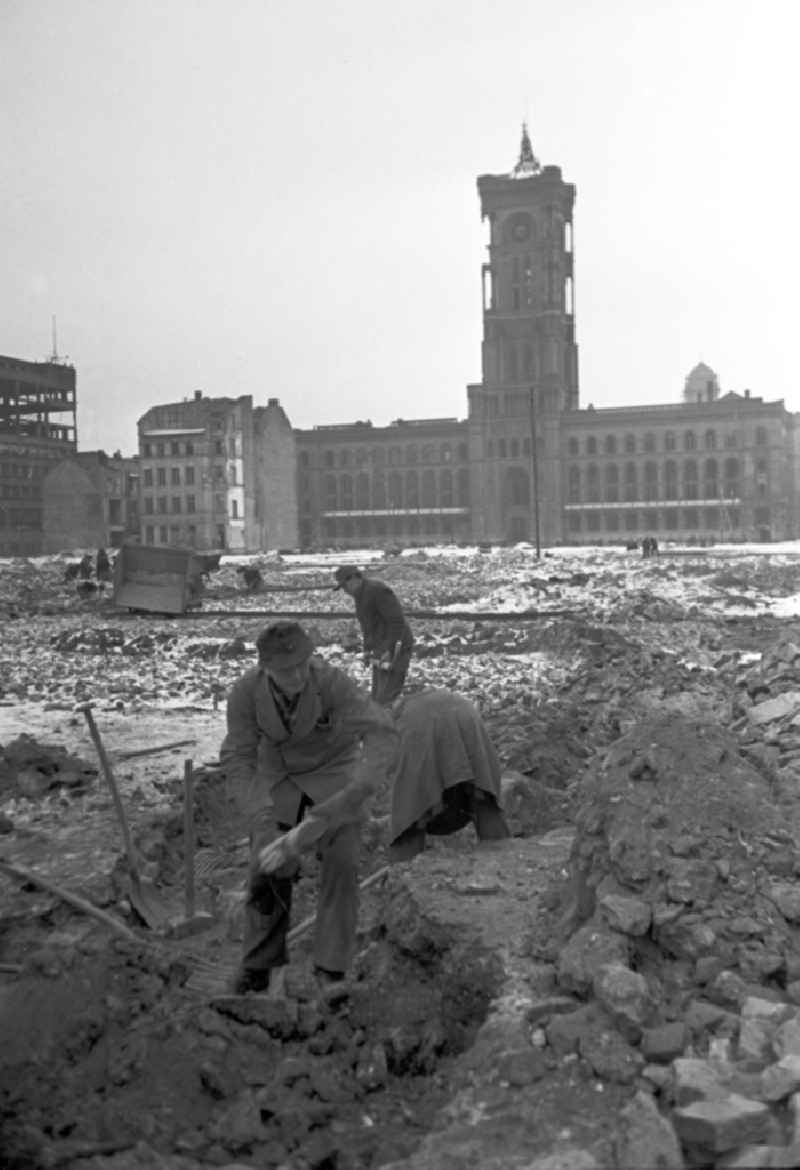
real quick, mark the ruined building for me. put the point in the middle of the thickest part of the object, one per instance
(90, 501)
(37, 430)
(217, 474)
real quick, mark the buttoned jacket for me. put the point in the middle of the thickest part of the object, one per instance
(269, 766)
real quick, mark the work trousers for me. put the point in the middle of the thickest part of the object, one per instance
(388, 684)
(269, 902)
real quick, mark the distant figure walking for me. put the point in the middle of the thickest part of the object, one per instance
(102, 565)
(85, 567)
(388, 640)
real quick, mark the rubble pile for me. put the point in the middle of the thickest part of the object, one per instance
(30, 769)
(680, 942)
(113, 1056)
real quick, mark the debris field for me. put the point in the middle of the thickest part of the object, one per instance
(618, 985)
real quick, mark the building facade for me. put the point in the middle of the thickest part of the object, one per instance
(217, 474)
(37, 431)
(90, 501)
(406, 483)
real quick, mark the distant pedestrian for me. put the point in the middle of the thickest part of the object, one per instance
(85, 567)
(388, 640)
(102, 565)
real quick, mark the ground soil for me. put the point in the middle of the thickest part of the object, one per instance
(123, 1054)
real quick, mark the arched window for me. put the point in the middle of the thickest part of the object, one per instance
(732, 490)
(330, 492)
(490, 448)
(671, 480)
(329, 458)
(710, 440)
(527, 360)
(362, 490)
(428, 489)
(446, 453)
(501, 448)
(395, 456)
(411, 453)
(651, 481)
(412, 489)
(689, 441)
(515, 448)
(691, 489)
(711, 480)
(630, 444)
(526, 446)
(592, 484)
(591, 445)
(344, 457)
(379, 490)
(446, 488)
(463, 487)
(611, 445)
(395, 490)
(612, 483)
(362, 456)
(573, 484)
(346, 490)
(731, 440)
(463, 452)
(761, 436)
(649, 442)
(573, 446)
(518, 487)
(428, 453)
(631, 483)
(669, 440)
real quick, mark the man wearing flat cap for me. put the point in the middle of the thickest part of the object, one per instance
(388, 640)
(304, 747)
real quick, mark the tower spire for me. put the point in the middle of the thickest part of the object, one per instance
(528, 163)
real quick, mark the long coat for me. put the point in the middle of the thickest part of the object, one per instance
(269, 767)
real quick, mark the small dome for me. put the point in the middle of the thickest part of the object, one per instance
(701, 385)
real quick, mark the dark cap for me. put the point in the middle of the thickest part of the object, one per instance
(344, 573)
(284, 644)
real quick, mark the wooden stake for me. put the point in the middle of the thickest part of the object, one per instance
(188, 835)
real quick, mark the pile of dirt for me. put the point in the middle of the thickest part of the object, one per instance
(112, 1053)
(31, 769)
(679, 939)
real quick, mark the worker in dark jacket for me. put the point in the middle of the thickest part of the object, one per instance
(388, 640)
(304, 747)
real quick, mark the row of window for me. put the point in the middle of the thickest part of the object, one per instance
(653, 520)
(158, 476)
(179, 450)
(397, 490)
(178, 504)
(659, 481)
(400, 526)
(690, 441)
(511, 449)
(394, 456)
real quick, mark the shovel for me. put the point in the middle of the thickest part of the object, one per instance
(144, 897)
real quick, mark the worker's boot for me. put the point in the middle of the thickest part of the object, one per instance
(490, 824)
(407, 845)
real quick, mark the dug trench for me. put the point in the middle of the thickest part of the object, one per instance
(619, 991)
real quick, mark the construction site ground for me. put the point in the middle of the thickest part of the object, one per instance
(533, 1004)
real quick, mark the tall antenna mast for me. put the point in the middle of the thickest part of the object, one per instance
(54, 354)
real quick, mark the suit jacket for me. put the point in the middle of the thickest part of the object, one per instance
(271, 767)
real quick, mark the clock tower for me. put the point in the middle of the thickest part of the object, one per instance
(529, 354)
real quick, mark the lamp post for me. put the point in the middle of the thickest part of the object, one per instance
(534, 470)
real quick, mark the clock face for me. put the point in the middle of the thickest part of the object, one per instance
(518, 228)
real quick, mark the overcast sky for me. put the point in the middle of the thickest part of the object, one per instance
(278, 199)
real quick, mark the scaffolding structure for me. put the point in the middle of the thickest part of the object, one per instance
(38, 428)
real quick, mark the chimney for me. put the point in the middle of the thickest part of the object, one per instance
(273, 402)
(710, 390)
(198, 394)
(747, 393)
